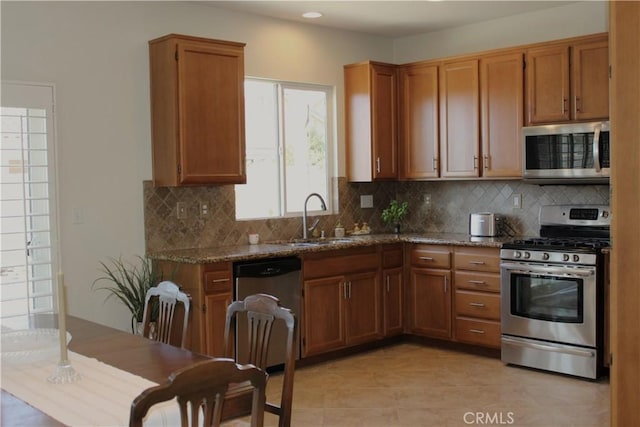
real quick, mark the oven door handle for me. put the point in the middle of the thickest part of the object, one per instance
(568, 272)
(572, 351)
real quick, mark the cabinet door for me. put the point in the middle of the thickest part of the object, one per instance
(210, 113)
(384, 121)
(392, 297)
(502, 88)
(370, 92)
(430, 299)
(323, 315)
(459, 119)
(590, 80)
(214, 319)
(548, 84)
(419, 141)
(363, 319)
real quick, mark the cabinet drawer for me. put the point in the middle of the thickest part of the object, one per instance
(217, 282)
(392, 256)
(474, 331)
(476, 304)
(431, 257)
(485, 282)
(339, 262)
(477, 259)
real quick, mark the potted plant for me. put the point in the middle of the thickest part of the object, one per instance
(395, 213)
(129, 283)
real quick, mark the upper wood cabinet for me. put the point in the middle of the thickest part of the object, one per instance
(197, 111)
(419, 130)
(502, 107)
(459, 119)
(568, 81)
(590, 83)
(371, 121)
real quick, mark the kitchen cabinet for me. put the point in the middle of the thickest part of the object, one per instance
(371, 121)
(477, 295)
(197, 111)
(392, 289)
(429, 292)
(459, 119)
(502, 112)
(211, 289)
(568, 81)
(342, 299)
(419, 128)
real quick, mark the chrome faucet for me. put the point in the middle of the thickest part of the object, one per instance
(323, 205)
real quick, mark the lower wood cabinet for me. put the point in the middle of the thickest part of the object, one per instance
(477, 296)
(393, 289)
(211, 289)
(342, 300)
(429, 291)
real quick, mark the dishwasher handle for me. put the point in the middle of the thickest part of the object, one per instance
(267, 268)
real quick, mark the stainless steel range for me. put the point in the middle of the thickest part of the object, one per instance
(553, 292)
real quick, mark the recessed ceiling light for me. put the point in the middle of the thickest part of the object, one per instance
(311, 15)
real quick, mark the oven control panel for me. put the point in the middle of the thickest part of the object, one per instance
(548, 256)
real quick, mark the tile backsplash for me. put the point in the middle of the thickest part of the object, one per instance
(433, 207)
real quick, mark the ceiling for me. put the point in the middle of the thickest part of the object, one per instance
(390, 18)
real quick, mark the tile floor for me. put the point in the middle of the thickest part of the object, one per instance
(414, 385)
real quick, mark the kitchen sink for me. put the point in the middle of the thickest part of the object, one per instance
(318, 242)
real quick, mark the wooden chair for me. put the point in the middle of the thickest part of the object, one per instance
(199, 389)
(168, 295)
(261, 311)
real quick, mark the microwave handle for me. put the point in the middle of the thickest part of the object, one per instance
(596, 149)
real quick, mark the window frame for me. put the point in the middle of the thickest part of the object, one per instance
(330, 132)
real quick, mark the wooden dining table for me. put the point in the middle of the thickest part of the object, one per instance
(131, 353)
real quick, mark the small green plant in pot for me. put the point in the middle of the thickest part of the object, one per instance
(129, 283)
(395, 213)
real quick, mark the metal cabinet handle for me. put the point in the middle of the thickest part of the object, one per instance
(435, 164)
(477, 262)
(219, 280)
(477, 282)
(426, 258)
(388, 284)
(576, 102)
(344, 290)
(476, 304)
(349, 289)
(486, 162)
(476, 331)
(446, 284)
(564, 105)
(378, 165)
(475, 162)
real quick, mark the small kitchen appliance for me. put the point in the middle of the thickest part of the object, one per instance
(485, 224)
(553, 290)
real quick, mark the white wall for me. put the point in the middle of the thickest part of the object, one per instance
(96, 55)
(575, 19)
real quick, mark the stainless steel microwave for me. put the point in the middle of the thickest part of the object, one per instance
(567, 153)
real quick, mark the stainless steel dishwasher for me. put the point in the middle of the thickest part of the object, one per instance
(279, 277)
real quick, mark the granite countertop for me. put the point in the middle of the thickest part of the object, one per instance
(284, 248)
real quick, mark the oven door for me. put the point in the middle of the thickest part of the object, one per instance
(549, 302)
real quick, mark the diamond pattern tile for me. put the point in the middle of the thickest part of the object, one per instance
(451, 204)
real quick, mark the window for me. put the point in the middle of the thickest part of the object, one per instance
(27, 203)
(288, 135)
